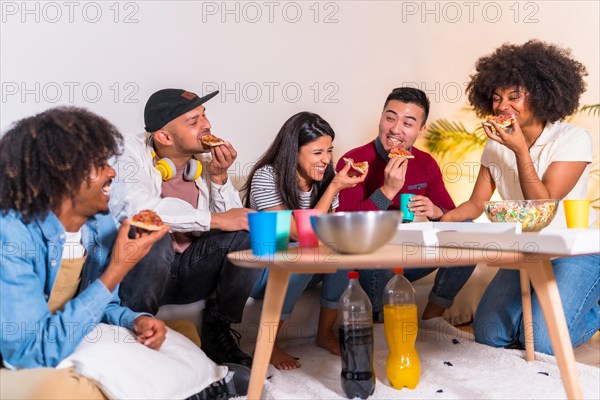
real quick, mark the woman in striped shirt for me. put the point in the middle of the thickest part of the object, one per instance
(297, 172)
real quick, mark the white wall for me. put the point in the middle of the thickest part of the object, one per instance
(344, 56)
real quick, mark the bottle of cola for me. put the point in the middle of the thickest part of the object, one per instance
(356, 340)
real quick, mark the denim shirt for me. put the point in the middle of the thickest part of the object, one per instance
(30, 257)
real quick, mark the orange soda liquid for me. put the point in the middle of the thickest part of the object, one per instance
(401, 327)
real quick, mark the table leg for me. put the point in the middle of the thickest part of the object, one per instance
(269, 319)
(527, 317)
(544, 284)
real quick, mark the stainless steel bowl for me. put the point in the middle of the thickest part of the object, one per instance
(356, 232)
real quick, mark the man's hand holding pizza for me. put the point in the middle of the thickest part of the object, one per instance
(223, 156)
(126, 252)
(394, 177)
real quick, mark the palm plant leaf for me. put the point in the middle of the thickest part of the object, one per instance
(592, 109)
(449, 138)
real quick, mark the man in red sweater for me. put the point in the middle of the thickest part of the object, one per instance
(402, 122)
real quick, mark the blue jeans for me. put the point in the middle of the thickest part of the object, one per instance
(447, 284)
(331, 291)
(498, 321)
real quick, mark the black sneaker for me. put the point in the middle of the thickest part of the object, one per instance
(234, 384)
(238, 385)
(217, 341)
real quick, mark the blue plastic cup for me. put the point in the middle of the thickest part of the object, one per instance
(263, 232)
(407, 215)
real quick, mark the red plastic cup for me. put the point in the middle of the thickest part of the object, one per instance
(304, 230)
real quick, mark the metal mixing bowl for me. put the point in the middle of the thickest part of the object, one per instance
(356, 232)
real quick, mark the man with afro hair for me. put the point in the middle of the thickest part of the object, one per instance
(62, 257)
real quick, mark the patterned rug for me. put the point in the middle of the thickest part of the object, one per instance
(450, 369)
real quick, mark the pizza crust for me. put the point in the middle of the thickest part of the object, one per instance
(503, 121)
(147, 216)
(147, 227)
(400, 152)
(211, 140)
(359, 166)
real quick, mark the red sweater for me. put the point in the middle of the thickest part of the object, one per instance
(423, 177)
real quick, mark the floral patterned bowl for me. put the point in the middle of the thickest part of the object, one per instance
(533, 215)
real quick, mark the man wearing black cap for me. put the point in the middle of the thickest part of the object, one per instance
(169, 170)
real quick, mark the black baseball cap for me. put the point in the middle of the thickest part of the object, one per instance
(167, 104)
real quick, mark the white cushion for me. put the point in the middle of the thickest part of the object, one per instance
(125, 369)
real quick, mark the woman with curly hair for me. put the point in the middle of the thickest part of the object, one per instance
(540, 157)
(296, 172)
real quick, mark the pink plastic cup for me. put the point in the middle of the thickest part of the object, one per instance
(304, 230)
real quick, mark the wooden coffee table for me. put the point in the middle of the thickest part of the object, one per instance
(534, 266)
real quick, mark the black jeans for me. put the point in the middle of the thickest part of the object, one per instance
(164, 277)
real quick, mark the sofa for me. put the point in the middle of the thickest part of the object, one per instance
(303, 323)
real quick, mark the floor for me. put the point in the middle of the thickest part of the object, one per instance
(588, 353)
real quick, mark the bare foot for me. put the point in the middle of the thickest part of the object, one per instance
(282, 360)
(329, 342)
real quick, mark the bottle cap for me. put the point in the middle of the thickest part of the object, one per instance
(353, 275)
(398, 270)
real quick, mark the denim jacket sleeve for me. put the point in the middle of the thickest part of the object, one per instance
(31, 336)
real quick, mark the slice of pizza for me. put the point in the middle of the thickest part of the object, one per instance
(148, 220)
(211, 140)
(503, 120)
(359, 166)
(400, 151)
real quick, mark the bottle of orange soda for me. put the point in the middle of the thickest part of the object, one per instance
(401, 327)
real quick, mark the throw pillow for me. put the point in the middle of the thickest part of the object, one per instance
(126, 369)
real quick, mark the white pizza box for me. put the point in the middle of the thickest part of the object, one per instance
(550, 241)
(426, 233)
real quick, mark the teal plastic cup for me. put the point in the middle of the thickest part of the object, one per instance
(282, 231)
(407, 215)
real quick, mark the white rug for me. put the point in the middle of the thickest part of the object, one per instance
(476, 372)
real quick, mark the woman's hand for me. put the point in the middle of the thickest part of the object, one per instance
(515, 140)
(344, 181)
(339, 182)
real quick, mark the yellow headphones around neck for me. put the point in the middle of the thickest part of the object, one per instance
(167, 168)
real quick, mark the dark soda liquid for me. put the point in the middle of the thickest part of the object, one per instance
(358, 378)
